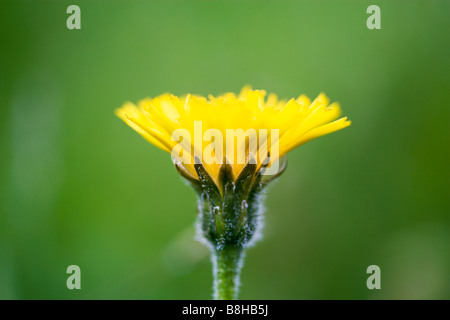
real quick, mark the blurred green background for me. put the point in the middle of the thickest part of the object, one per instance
(80, 187)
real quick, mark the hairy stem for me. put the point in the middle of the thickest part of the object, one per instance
(227, 264)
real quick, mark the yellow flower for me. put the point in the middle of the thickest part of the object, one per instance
(225, 146)
(296, 120)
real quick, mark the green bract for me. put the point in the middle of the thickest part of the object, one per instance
(229, 217)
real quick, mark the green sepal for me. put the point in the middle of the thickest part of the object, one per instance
(207, 183)
(210, 203)
(245, 179)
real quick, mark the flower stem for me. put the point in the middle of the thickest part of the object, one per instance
(227, 264)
